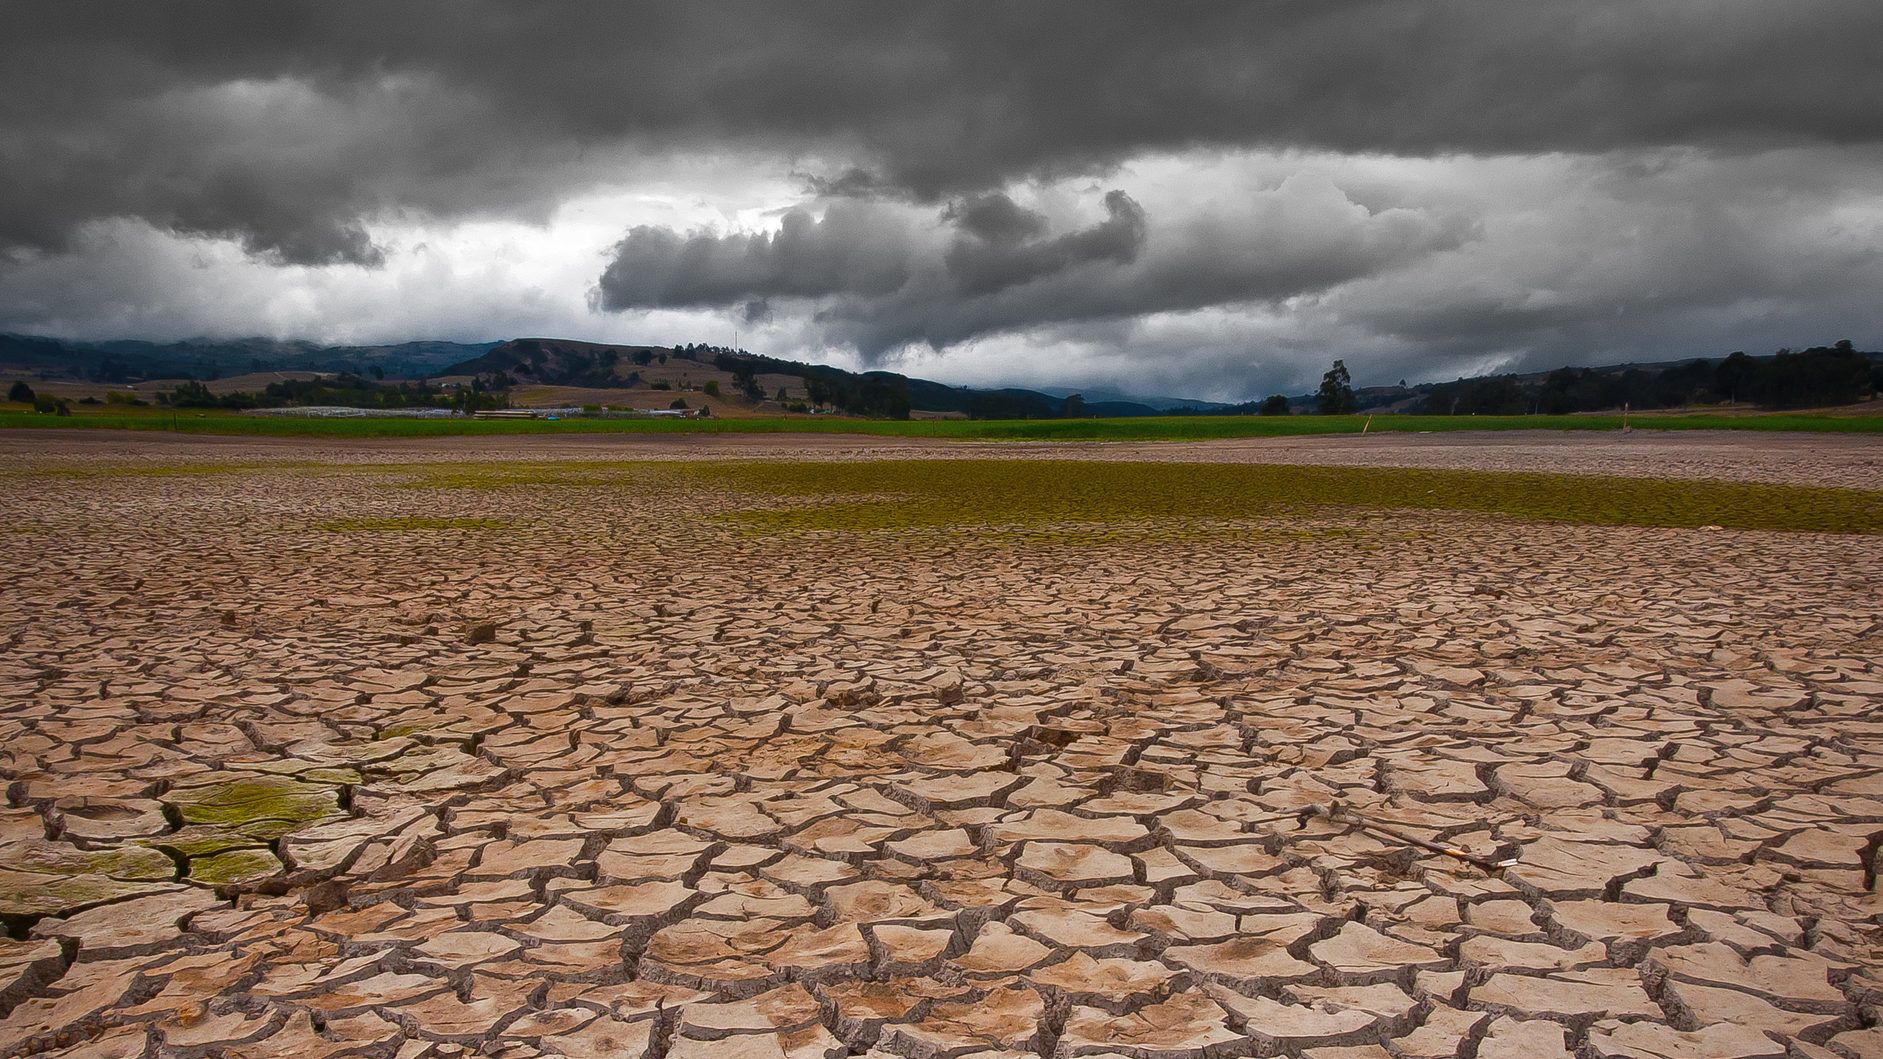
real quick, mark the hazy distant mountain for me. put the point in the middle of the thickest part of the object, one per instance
(131, 361)
(563, 362)
(1104, 395)
(1820, 375)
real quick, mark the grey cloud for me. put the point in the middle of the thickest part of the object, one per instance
(854, 182)
(1644, 259)
(289, 171)
(995, 218)
(486, 106)
(876, 286)
(855, 248)
(1519, 263)
(1436, 187)
(1295, 239)
(996, 250)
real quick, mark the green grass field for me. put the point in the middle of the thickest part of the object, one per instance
(1149, 428)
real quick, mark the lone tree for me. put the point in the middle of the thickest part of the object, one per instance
(1336, 393)
(21, 392)
(1075, 406)
(1276, 405)
(1733, 373)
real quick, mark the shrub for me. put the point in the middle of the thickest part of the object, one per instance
(712, 387)
(22, 393)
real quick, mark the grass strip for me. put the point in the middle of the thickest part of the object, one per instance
(904, 494)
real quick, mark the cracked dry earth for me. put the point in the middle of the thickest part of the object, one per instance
(621, 780)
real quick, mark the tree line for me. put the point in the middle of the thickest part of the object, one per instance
(347, 390)
(1822, 375)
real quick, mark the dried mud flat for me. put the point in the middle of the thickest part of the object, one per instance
(611, 777)
(1854, 460)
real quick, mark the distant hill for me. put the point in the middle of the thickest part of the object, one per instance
(751, 384)
(1104, 395)
(560, 362)
(1821, 375)
(563, 362)
(133, 361)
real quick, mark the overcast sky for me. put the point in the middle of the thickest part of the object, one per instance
(1196, 198)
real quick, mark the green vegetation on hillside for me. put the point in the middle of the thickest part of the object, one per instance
(1821, 375)
(345, 390)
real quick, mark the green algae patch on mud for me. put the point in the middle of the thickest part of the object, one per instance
(512, 474)
(985, 494)
(309, 771)
(333, 775)
(25, 893)
(407, 730)
(134, 863)
(246, 802)
(234, 868)
(199, 841)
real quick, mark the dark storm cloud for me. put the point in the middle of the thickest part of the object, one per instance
(286, 125)
(990, 266)
(996, 219)
(855, 249)
(1422, 188)
(995, 250)
(1299, 237)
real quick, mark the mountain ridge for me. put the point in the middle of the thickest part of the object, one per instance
(1821, 374)
(569, 362)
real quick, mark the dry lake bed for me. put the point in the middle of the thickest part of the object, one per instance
(772, 747)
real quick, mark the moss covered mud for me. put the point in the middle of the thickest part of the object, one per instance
(890, 495)
(251, 800)
(1036, 495)
(222, 835)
